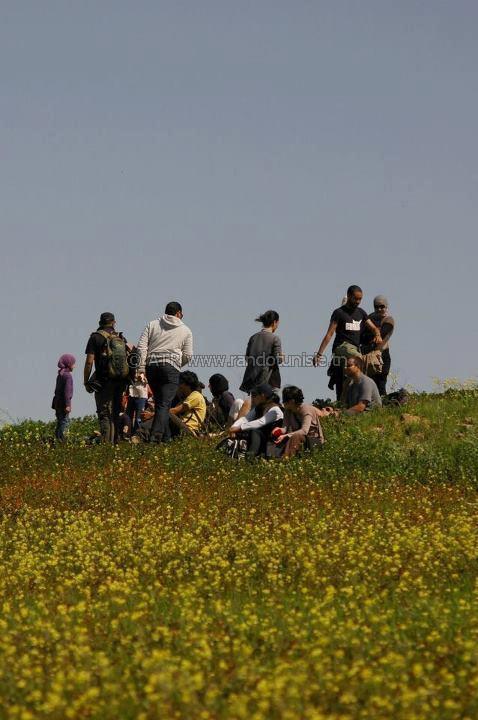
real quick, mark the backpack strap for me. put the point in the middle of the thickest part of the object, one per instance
(104, 334)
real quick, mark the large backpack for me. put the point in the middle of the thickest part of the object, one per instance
(116, 356)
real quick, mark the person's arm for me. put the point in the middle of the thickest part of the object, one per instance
(90, 358)
(187, 349)
(241, 419)
(142, 350)
(386, 331)
(245, 409)
(304, 429)
(326, 339)
(178, 409)
(360, 407)
(277, 350)
(68, 391)
(376, 331)
(271, 416)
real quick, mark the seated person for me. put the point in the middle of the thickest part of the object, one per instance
(362, 393)
(301, 423)
(265, 414)
(219, 409)
(190, 411)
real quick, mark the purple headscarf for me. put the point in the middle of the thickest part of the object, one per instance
(66, 362)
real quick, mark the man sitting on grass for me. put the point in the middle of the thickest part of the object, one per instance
(362, 393)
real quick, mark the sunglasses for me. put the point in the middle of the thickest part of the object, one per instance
(380, 307)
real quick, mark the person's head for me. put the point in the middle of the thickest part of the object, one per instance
(380, 305)
(188, 382)
(354, 296)
(66, 362)
(107, 320)
(262, 394)
(269, 320)
(218, 384)
(174, 308)
(354, 367)
(292, 397)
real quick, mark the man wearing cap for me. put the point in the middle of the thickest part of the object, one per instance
(108, 391)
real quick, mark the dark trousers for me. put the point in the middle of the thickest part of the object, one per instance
(381, 378)
(257, 439)
(163, 380)
(134, 409)
(62, 422)
(108, 408)
(336, 374)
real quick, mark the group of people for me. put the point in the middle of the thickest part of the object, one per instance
(143, 392)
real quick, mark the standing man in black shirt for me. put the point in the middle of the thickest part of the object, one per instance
(347, 323)
(108, 390)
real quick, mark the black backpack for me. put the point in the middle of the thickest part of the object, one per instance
(398, 398)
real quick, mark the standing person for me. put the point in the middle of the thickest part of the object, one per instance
(264, 354)
(382, 319)
(137, 399)
(165, 346)
(108, 351)
(347, 323)
(362, 393)
(63, 395)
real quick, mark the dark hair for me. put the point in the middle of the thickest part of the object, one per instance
(268, 318)
(219, 384)
(353, 289)
(291, 392)
(172, 308)
(190, 379)
(357, 361)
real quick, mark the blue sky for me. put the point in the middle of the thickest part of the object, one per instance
(236, 156)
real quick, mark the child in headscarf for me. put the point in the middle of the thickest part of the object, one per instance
(63, 395)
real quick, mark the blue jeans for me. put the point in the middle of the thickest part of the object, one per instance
(134, 409)
(163, 381)
(62, 422)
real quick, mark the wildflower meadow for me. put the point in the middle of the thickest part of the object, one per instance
(169, 582)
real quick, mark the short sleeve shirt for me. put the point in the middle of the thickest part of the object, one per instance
(364, 390)
(194, 402)
(350, 325)
(97, 346)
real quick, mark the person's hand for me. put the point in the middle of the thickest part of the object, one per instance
(378, 341)
(142, 377)
(233, 431)
(68, 408)
(282, 438)
(316, 359)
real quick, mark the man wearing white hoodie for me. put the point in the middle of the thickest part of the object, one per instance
(165, 346)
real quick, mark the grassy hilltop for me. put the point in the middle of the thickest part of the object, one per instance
(144, 582)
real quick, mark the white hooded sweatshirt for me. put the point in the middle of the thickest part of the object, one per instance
(165, 340)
